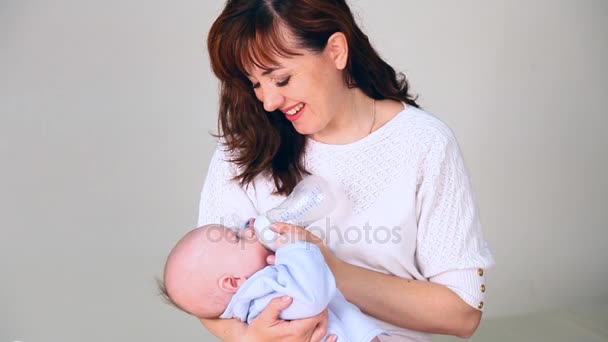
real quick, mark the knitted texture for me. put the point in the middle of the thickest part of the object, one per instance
(407, 176)
(449, 232)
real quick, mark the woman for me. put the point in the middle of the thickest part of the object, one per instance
(303, 92)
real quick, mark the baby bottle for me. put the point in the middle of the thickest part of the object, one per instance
(310, 200)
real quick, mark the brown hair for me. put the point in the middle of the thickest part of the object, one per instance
(247, 33)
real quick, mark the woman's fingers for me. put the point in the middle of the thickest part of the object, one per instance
(313, 328)
(288, 233)
(270, 315)
(281, 227)
(317, 334)
(331, 338)
(320, 329)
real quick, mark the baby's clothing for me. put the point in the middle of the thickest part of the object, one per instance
(300, 272)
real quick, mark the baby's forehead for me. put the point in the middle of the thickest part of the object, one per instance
(217, 233)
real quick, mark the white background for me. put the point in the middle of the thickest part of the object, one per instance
(106, 109)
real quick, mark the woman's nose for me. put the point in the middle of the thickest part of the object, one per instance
(272, 100)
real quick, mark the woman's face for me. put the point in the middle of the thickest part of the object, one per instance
(308, 89)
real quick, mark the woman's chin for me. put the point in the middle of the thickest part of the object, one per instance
(303, 129)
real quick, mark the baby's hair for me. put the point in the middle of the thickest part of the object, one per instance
(164, 294)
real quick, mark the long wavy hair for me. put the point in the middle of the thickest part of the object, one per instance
(248, 33)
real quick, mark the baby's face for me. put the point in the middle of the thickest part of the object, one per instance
(251, 253)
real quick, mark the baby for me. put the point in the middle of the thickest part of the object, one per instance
(214, 271)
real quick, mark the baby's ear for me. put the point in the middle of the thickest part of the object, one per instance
(229, 283)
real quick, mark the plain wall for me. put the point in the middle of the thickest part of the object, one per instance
(106, 109)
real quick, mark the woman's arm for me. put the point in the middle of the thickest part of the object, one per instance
(269, 327)
(449, 239)
(413, 304)
(225, 329)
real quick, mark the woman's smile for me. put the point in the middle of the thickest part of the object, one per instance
(295, 112)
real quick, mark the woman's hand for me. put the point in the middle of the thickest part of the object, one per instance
(292, 233)
(269, 327)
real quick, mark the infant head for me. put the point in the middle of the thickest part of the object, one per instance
(208, 265)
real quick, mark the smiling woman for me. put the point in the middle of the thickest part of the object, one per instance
(279, 49)
(304, 92)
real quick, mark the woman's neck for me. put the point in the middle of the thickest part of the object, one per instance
(352, 120)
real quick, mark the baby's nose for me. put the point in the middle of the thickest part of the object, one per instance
(248, 233)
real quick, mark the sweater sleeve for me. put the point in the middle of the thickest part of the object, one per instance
(451, 249)
(223, 200)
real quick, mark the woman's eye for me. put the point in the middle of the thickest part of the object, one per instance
(284, 82)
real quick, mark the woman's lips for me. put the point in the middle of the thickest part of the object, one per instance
(297, 115)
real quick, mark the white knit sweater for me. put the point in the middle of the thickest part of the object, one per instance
(408, 207)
